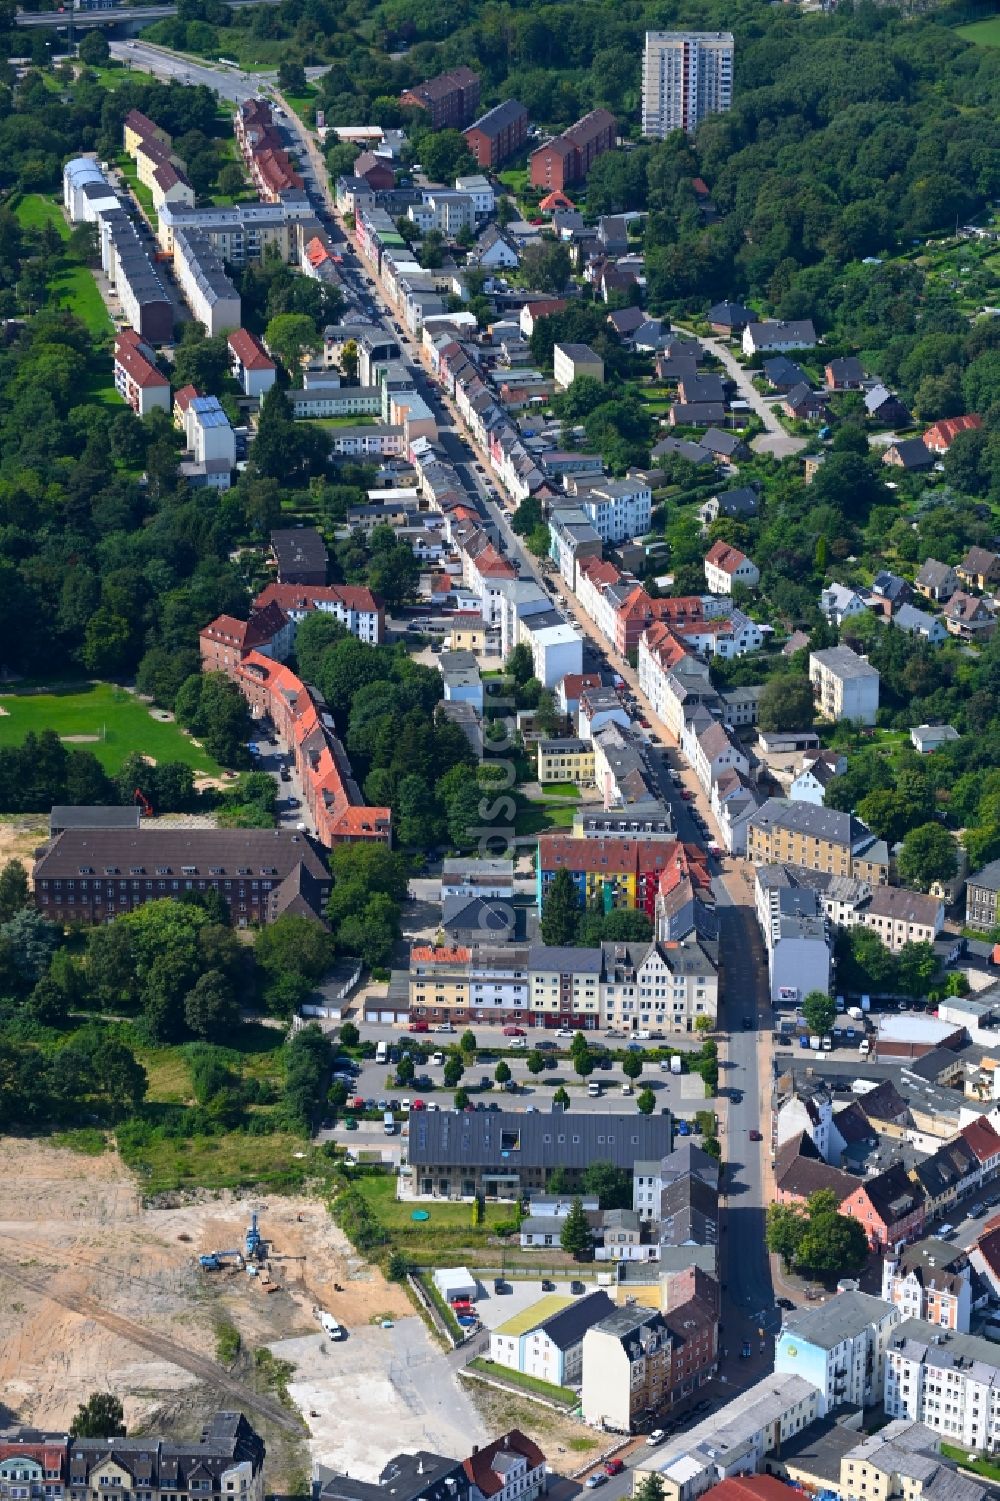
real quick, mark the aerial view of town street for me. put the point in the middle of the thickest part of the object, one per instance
(500, 750)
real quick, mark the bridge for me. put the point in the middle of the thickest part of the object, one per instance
(113, 17)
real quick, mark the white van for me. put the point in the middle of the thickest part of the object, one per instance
(864, 1048)
(626, 1088)
(594, 1088)
(382, 1052)
(389, 1123)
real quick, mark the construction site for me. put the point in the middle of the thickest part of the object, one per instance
(100, 1292)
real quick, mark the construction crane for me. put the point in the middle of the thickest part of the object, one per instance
(146, 806)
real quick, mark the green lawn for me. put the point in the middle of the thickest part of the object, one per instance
(536, 817)
(527, 1383)
(117, 722)
(561, 789)
(359, 419)
(139, 189)
(76, 289)
(979, 1466)
(227, 1161)
(446, 1238)
(982, 33)
(34, 210)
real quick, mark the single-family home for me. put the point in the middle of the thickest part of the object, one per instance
(936, 581)
(838, 603)
(926, 738)
(908, 454)
(929, 628)
(739, 504)
(804, 404)
(882, 406)
(941, 435)
(844, 374)
(250, 363)
(980, 568)
(783, 374)
(729, 318)
(726, 566)
(727, 448)
(760, 338)
(968, 617)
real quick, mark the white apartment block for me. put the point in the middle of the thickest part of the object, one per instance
(845, 686)
(686, 75)
(840, 1346)
(660, 986)
(619, 509)
(930, 1280)
(947, 1380)
(207, 290)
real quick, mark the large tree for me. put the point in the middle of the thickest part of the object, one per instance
(560, 910)
(101, 1416)
(786, 703)
(575, 1234)
(819, 1011)
(927, 855)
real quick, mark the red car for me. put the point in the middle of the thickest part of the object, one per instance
(514, 1032)
(418, 1105)
(688, 798)
(419, 1027)
(614, 1467)
(356, 1104)
(756, 1136)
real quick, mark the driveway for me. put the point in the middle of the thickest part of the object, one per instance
(775, 440)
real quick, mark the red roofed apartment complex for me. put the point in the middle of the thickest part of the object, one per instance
(498, 134)
(568, 158)
(353, 605)
(250, 363)
(941, 435)
(450, 99)
(260, 143)
(611, 871)
(226, 641)
(303, 722)
(137, 380)
(984, 1144)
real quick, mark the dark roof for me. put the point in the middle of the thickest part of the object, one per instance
(689, 1213)
(562, 1139)
(725, 444)
(892, 1194)
(499, 117)
(689, 1160)
(731, 313)
(298, 548)
(853, 1125)
(568, 1327)
(913, 453)
(799, 1170)
(228, 1438)
(406, 1477)
(884, 1102)
(492, 918)
(781, 371)
(846, 367)
(627, 319)
(86, 816)
(256, 852)
(988, 878)
(742, 502)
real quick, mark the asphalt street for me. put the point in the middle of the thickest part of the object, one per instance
(228, 83)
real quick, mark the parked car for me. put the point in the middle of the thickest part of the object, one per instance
(418, 1105)
(577, 1287)
(514, 1032)
(548, 1286)
(784, 1303)
(419, 1027)
(593, 1481)
(756, 1136)
(614, 1467)
(656, 1437)
(745, 1351)
(444, 1027)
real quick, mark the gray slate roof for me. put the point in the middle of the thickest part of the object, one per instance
(507, 1139)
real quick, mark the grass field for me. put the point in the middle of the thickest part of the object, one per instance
(536, 816)
(76, 289)
(525, 1382)
(226, 1161)
(110, 722)
(982, 33)
(446, 1238)
(34, 210)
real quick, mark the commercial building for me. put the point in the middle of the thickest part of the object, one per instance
(498, 134)
(546, 1339)
(450, 99)
(947, 1380)
(735, 1440)
(568, 158)
(798, 947)
(207, 290)
(137, 380)
(686, 75)
(506, 1154)
(930, 1280)
(821, 839)
(91, 876)
(840, 1347)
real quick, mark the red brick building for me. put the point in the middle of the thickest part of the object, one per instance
(568, 158)
(498, 134)
(450, 99)
(226, 641)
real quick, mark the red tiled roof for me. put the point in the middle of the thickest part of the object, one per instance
(479, 1468)
(249, 350)
(490, 563)
(312, 596)
(940, 435)
(316, 252)
(554, 200)
(752, 1488)
(988, 1246)
(981, 1139)
(575, 682)
(725, 557)
(599, 570)
(137, 364)
(184, 397)
(425, 954)
(225, 628)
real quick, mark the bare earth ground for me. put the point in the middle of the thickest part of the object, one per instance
(75, 1228)
(100, 1292)
(20, 836)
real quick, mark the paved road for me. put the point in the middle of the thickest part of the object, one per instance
(775, 440)
(145, 14)
(228, 83)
